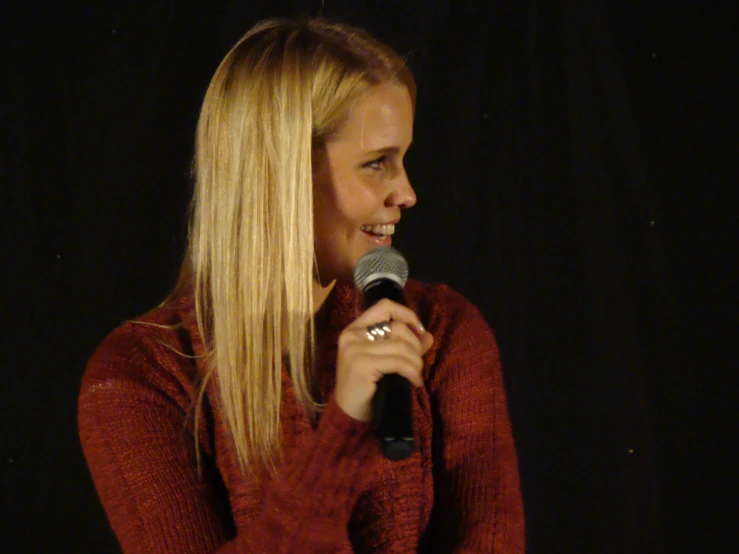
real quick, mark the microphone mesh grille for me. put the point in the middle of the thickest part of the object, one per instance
(383, 261)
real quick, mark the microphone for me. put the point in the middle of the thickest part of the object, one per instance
(382, 273)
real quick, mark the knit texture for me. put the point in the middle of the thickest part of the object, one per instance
(334, 492)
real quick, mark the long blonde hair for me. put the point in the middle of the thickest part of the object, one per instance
(280, 92)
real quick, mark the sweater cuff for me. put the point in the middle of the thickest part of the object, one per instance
(336, 467)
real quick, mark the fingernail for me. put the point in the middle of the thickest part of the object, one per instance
(421, 327)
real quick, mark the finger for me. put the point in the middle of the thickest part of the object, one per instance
(387, 348)
(410, 368)
(426, 342)
(399, 331)
(387, 310)
(407, 332)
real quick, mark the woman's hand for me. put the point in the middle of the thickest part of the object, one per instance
(361, 362)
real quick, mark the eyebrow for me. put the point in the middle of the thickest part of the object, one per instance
(385, 150)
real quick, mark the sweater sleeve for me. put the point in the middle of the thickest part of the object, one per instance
(142, 461)
(478, 506)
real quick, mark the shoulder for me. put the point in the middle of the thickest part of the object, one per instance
(458, 326)
(442, 297)
(440, 307)
(150, 354)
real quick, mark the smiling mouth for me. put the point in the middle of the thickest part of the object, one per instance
(379, 231)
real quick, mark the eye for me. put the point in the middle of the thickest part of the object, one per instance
(377, 164)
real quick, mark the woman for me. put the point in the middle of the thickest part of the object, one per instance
(234, 417)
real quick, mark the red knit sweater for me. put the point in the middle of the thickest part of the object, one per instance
(459, 492)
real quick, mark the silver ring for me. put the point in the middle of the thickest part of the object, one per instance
(379, 330)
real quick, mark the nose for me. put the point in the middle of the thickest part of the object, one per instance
(401, 194)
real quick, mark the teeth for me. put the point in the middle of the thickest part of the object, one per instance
(387, 229)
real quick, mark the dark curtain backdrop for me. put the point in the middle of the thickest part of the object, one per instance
(575, 164)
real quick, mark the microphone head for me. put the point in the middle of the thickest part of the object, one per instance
(383, 262)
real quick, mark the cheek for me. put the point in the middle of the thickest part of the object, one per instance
(357, 204)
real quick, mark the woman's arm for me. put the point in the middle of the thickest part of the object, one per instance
(142, 460)
(477, 506)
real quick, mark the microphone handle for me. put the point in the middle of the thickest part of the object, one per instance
(392, 416)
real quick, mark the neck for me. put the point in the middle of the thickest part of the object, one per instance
(320, 313)
(320, 294)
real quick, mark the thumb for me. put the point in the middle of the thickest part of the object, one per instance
(426, 341)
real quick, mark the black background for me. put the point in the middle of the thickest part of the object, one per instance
(575, 164)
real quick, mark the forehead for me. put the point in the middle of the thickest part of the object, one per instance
(380, 118)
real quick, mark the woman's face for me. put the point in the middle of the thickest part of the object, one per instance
(359, 182)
